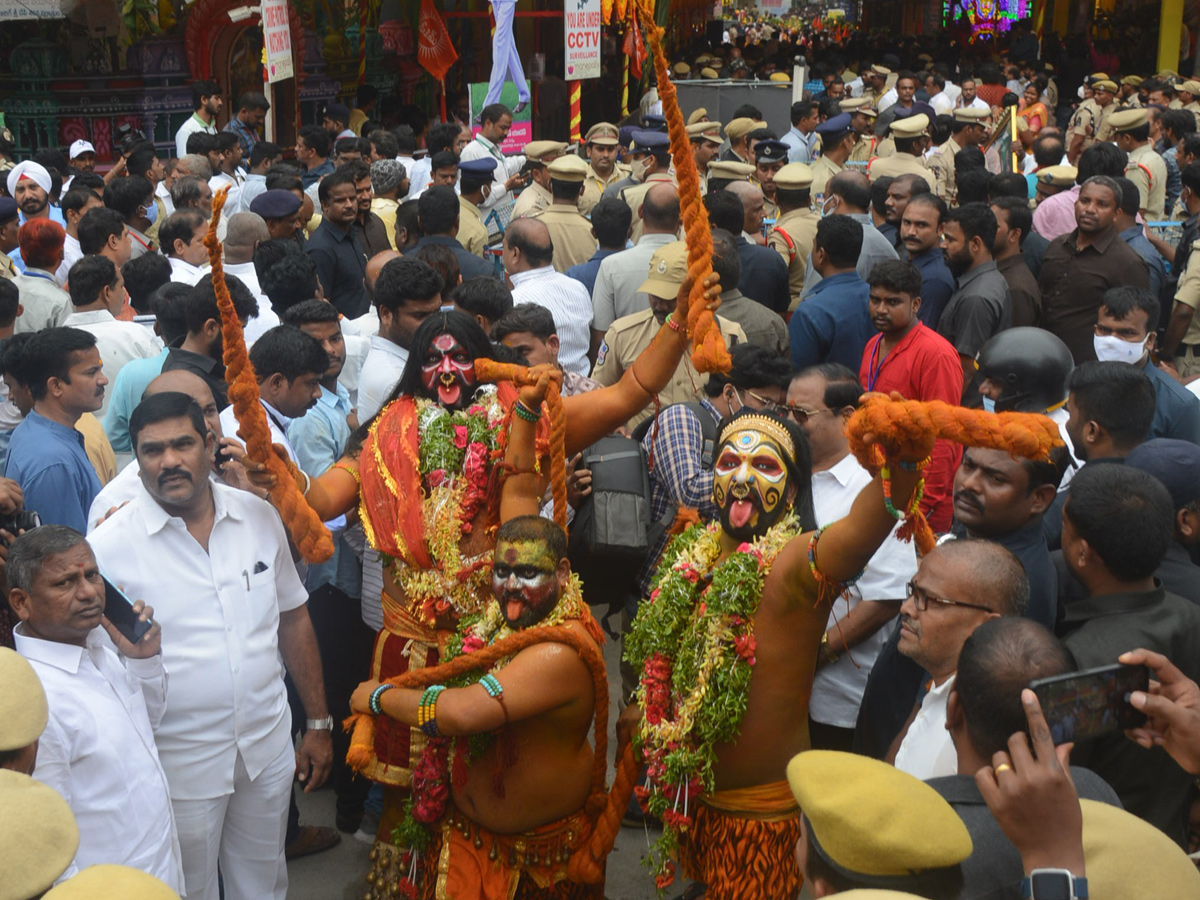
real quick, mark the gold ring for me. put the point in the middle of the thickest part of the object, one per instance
(1003, 767)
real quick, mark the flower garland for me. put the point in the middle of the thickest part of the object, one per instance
(444, 760)
(455, 449)
(694, 640)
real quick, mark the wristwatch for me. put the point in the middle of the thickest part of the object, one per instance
(325, 724)
(1053, 884)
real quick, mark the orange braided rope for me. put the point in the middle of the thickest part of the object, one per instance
(488, 370)
(308, 532)
(709, 353)
(892, 422)
(605, 808)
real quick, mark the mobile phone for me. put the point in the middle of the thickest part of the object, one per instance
(118, 609)
(1091, 703)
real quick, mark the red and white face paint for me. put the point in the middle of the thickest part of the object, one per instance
(448, 372)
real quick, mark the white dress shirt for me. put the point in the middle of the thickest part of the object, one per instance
(357, 348)
(382, 369)
(419, 177)
(942, 103)
(615, 294)
(118, 343)
(266, 318)
(72, 253)
(253, 186)
(233, 203)
(974, 104)
(219, 612)
(184, 272)
(506, 167)
(163, 193)
(800, 145)
(927, 750)
(46, 304)
(190, 127)
(838, 689)
(889, 98)
(229, 426)
(98, 752)
(570, 305)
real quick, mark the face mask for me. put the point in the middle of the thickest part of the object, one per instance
(638, 169)
(1113, 349)
(989, 404)
(152, 213)
(829, 207)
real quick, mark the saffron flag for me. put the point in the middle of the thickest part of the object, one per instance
(434, 50)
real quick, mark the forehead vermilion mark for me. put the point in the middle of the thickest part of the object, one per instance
(445, 342)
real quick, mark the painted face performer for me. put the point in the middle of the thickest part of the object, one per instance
(727, 645)
(420, 474)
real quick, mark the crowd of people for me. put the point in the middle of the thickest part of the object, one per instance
(814, 697)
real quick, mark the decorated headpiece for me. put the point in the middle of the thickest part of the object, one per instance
(772, 428)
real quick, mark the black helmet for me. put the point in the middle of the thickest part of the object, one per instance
(1032, 365)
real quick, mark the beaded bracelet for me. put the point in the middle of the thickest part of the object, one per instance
(672, 324)
(376, 696)
(492, 685)
(427, 711)
(913, 466)
(525, 412)
(820, 576)
(886, 477)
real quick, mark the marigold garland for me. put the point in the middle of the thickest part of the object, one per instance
(694, 641)
(309, 533)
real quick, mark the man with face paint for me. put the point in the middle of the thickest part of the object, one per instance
(441, 418)
(745, 830)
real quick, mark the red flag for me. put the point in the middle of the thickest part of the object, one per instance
(434, 50)
(635, 49)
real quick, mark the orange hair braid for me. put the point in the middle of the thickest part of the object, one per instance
(709, 353)
(491, 371)
(309, 533)
(893, 427)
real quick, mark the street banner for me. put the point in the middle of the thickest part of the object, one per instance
(277, 39)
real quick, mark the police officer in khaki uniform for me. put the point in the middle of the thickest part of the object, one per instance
(538, 155)
(629, 335)
(1145, 168)
(969, 130)
(838, 141)
(1128, 97)
(474, 184)
(1189, 98)
(875, 84)
(722, 174)
(796, 226)
(700, 114)
(909, 135)
(655, 150)
(737, 132)
(600, 144)
(1090, 124)
(705, 138)
(1053, 180)
(862, 120)
(769, 158)
(570, 233)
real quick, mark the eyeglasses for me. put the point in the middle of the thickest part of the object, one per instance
(800, 415)
(765, 405)
(921, 599)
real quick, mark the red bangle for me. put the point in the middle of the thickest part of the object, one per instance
(672, 324)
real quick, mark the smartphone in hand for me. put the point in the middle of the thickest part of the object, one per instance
(1091, 703)
(119, 610)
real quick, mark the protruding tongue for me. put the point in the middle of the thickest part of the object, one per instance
(513, 609)
(740, 513)
(449, 395)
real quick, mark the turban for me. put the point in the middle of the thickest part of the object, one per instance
(31, 170)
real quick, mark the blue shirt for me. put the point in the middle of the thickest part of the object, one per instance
(1176, 409)
(800, 145)
(48, 461)
(833, 324)
(315, 174)
(1136, 238)
(126, 394)
(585, 273)
(937, 285)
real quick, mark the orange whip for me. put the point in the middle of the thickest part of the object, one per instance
(891, 422)
(308, 532)
(604, 807)
(709, 353)
(489, 370)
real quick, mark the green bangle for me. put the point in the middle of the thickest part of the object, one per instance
(525, 412)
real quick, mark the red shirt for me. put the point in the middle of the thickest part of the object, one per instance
(923, 366)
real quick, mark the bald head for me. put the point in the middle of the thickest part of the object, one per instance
(528, 246)
(745, 191)
(245, 231)
(751, 196)
(375, 265)
(660, 209)
(195, 165)
(853, 189)
(992, 575)
(183, 382)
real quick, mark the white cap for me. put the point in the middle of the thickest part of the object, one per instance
(80, 147)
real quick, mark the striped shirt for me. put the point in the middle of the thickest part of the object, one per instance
(570, 305)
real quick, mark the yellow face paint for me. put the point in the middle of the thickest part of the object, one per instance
(524, 581)
(750, 481)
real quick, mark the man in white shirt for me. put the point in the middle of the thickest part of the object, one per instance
(958, 586)
(216, 561)
(942, 102)
(245, 232)
(98, 293)
(968, 97)
(820, 399)
(182, 240)
(74, 205)
(407, 292)
(206, 101)
(262, 157)
(230, 174)
(528, 260)
(495, 124)
(105, 694)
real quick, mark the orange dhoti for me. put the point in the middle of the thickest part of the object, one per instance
(742, 845)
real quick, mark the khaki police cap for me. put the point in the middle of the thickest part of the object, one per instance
(38, 834)
(697, 115)
(710, 131)
(668, 270)
(971, 114)
(1190, 87)
(681, 68)
(734, 171)
(881, 70)
(1058, 176)
(794, 177)
(866, 817)
(1109, 87)
(910, 126)
(23, 710)
(112, 882)
(543, 151)
(1126, 857)
(1096, 76)
(1129, 119)
(741, 127)
(1132, 80)
(706, 72)
(568, 168)
(602, 133)
(780, 77)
